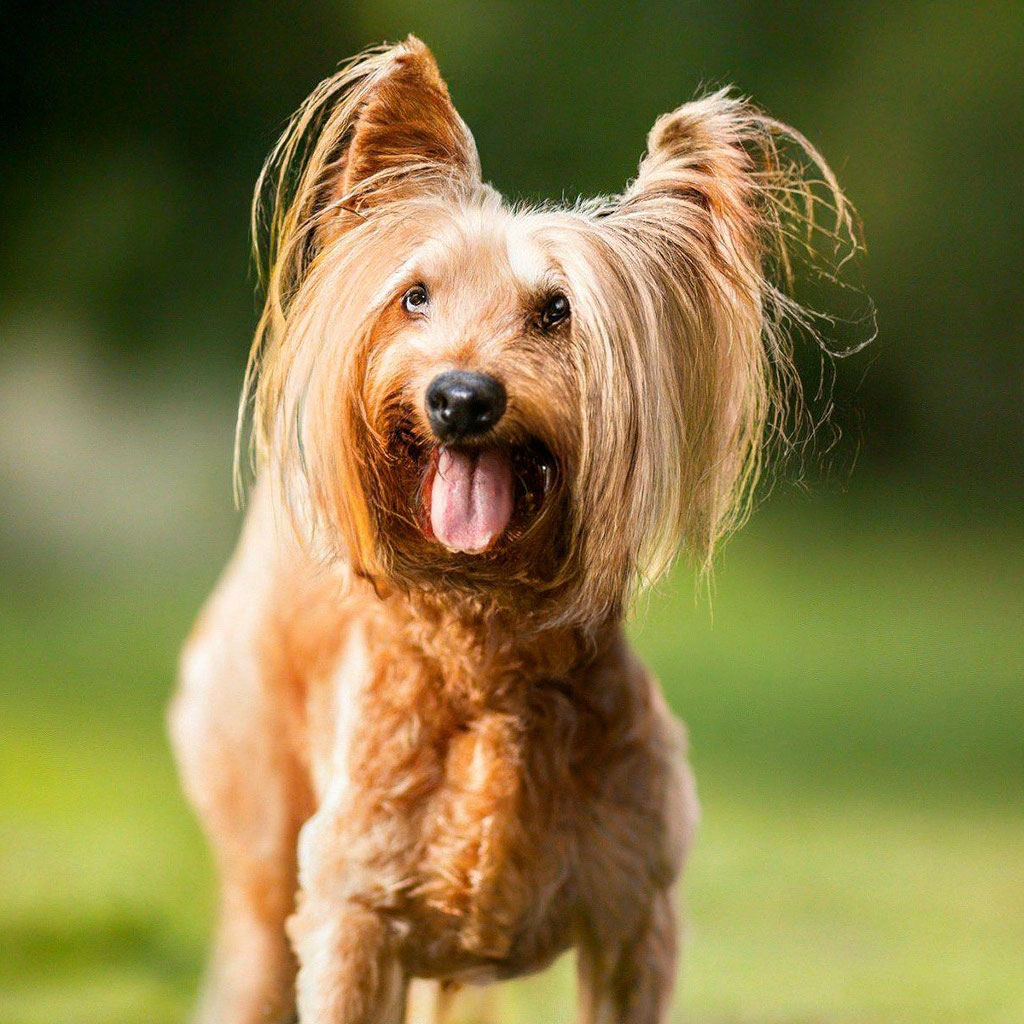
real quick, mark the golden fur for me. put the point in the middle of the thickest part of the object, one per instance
(419, 764)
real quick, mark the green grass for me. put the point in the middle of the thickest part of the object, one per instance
(856, 709)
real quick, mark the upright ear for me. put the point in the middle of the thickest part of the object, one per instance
(382, 128)
(720, 197)
(714, 172)
(406, 134)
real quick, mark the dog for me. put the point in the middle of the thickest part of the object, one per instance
(408, 719)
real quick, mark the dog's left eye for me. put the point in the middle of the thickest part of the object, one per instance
(415, 299)
(555, 311)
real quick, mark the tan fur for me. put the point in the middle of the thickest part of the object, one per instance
(415, 764)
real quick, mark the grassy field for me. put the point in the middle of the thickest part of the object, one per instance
(855, 696)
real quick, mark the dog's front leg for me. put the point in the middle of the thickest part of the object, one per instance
(630, 982)
(349, 971)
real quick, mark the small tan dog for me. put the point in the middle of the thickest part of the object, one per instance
(408, 718)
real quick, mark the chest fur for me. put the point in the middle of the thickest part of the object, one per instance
(461, 803)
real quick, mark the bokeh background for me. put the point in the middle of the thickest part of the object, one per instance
(854, 688)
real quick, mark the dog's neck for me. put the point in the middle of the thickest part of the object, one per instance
(499, 644)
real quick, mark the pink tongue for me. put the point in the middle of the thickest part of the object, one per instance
(471, 499)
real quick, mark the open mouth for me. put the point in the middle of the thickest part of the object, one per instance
(472, 497)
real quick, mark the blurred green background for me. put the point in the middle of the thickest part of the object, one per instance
(854, 690)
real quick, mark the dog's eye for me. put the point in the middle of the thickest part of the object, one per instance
(556, 310)
(415, 299)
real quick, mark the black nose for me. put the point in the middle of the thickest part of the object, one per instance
(461, 404)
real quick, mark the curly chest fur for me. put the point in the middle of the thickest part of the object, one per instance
(471, 794)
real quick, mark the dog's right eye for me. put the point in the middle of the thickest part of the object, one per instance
(554, 312)
(415, 299)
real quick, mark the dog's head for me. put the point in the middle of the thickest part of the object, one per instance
(539, 404)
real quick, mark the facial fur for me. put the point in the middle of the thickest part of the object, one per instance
(634, 425)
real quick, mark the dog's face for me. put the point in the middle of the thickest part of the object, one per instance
(534, 404)
(471, 397)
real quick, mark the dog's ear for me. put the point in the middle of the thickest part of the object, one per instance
(722, 196)
(708, 177)
(407, 134)
(382, 128)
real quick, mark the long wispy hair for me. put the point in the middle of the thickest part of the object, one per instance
(681, 350)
